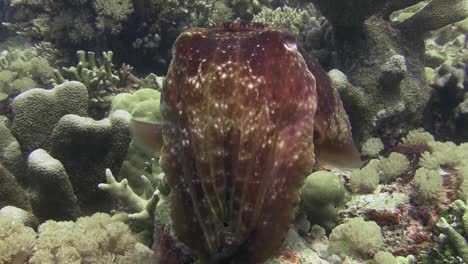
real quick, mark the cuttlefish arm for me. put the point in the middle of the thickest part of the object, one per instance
(333, 142)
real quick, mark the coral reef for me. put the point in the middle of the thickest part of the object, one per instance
(379, 69)
(11, 192)
(87, 147)
(140, 32)
(93, 239)
(356, 237)
(54, 195)
(454, 227)
(322, 196)
(295, 20)
(37, 111)
(372, 147)
(101, 79)
(447, 111)
(143, 105)
(365, 180)
(10, 154)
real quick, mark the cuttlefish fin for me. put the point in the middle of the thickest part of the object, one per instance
(333, 142)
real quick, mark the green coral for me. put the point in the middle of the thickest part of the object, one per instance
(38, 110)
(428, 184)
(143, 105)
(23, 69)
(322, 196)
(93, 239)
(365, 180)
(383, 257)
(462, 175)
(393, 167)
(357, 237)
(456, 233)
(137, 210)
(372, 147)
(21, 85)
(417, 137)
(95, 77)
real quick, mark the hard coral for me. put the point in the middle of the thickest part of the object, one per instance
(55, 197)
(37, 111)
(385, 84)
(87, 147)
(322, 196)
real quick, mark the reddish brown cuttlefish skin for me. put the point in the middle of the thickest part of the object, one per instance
(240, 107)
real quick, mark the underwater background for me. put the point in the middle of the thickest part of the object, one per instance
(233, 131)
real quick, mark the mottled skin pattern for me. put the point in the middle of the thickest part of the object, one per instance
(239, 110)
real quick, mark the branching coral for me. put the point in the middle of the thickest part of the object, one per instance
(138, 211)
(295, 20)
(457, 232)
(119, 10)
(100, 77)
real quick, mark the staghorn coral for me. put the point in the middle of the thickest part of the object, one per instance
(100, 77)
(138, 211)
(380, 99)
